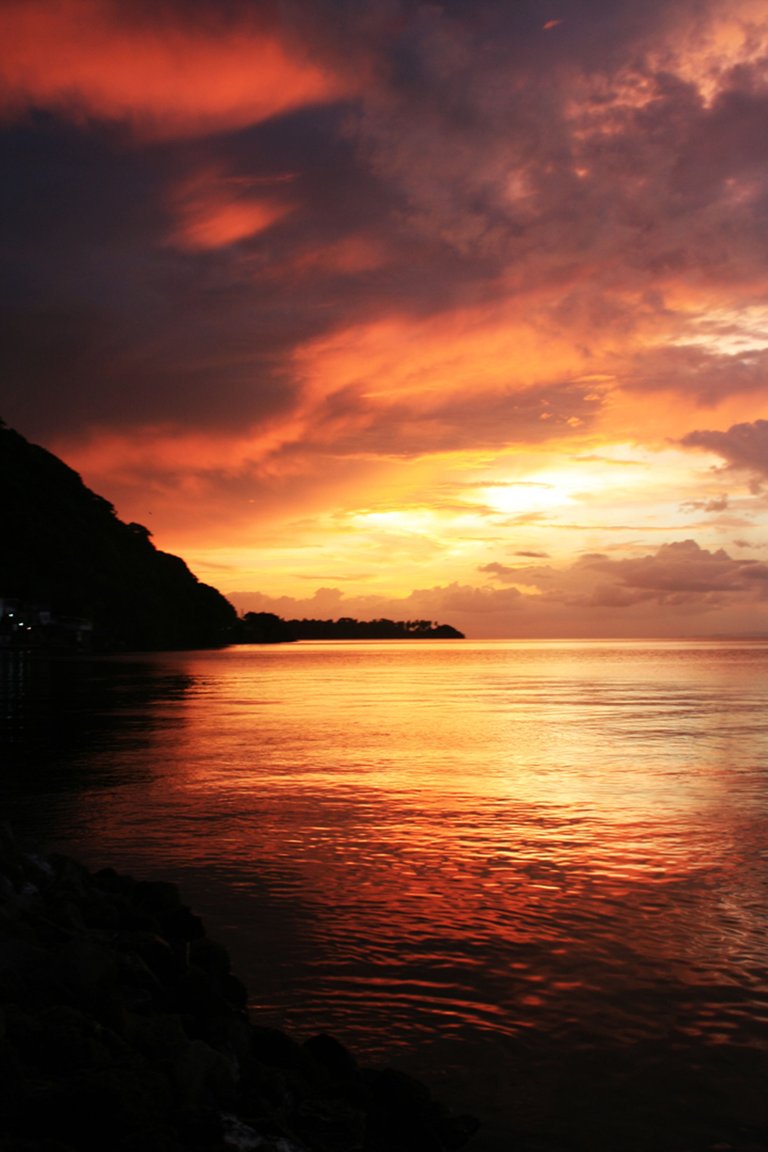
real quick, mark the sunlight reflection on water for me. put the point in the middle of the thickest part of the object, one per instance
(458, 843)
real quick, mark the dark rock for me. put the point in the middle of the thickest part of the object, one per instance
(201, 1076)
(235, 992)
(156, 1036)
(265, 1092)
(181, 924)
(59, 1037)
(90, 972)
(62, 872)
(22, 1145)
(156, 953)
(10, 858)
(108, 880)
(210, 956)
(198, 994)
(455, 1131)
(337, 1062)
(273, 1047)
(330, 1124)
(101, 911)
(123, 1027)
(397, 1092)
(402, 1112)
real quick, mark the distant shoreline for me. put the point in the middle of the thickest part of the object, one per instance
(268, 628)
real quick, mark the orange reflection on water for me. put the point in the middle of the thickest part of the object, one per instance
(501, 837)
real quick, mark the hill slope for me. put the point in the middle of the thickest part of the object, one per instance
(64, 548)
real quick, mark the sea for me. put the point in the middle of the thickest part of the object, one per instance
(534, 874)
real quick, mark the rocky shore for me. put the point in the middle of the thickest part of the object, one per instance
(123, 1028)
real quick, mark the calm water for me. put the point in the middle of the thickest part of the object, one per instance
(535, 872)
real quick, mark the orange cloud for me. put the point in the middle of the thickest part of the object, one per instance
(87, 57)
(215, 211)
(215, 225)
(462, 350)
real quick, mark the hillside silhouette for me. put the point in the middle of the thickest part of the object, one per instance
(66, 557)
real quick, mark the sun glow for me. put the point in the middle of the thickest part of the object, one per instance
(416, 520)
(729, 331)
(536, 495)
(472, 348)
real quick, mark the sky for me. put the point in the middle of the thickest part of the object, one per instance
(444, 311)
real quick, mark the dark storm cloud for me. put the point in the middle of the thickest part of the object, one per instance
(681, 573)
(684, 568)
(704, 375)
(431, 157)
(743, 446)
(104, 320)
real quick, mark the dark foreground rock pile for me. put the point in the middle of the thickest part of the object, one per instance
(123, 1029)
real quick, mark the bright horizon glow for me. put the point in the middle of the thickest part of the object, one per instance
(364, 320)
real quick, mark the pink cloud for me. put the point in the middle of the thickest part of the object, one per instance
(682, 571)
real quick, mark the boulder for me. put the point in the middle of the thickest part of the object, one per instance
(123, 1027)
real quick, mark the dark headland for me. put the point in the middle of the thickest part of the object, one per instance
(80, 576)
(121, 1024)
(73, 575)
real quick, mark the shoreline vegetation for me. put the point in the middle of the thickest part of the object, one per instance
(123, 1027)
(28, 627)
(266, 628)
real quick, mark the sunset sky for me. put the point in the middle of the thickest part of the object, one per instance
(454, 311)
